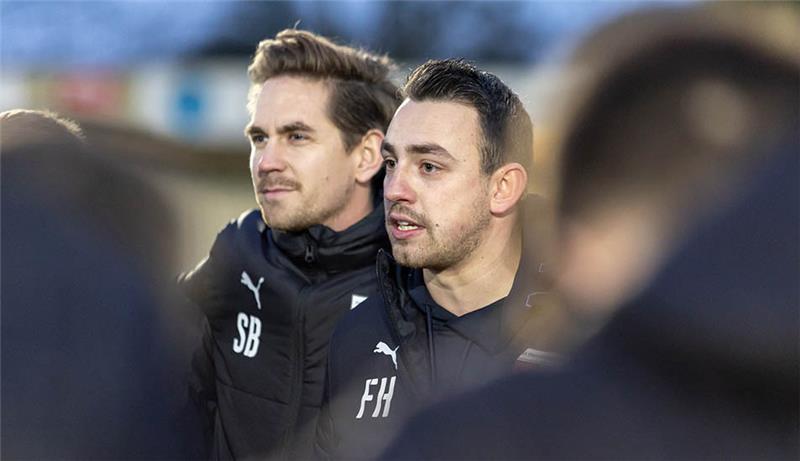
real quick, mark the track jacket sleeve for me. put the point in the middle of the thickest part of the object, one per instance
(202, 287)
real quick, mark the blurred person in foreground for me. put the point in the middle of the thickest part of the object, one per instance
(457, 296)
(86, 366)
(678, 210)
(277, 279)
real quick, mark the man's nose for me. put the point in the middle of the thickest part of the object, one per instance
(269, 158)
(397, 188)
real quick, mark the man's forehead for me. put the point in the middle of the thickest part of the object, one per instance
(434, 107)
(452, 125)
(291, 98)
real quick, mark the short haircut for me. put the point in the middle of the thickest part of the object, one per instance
(362, 96)
(46, 156)
(25, 127)
(507, 128)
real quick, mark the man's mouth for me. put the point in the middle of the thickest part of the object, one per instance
(403, 221)
(401, 226)
(406, 226)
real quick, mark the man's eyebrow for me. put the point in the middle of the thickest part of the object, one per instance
(251, 129)
(387, 147)
(429, 148)
(294, 126)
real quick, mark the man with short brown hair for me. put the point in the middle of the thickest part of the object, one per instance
(277, 279)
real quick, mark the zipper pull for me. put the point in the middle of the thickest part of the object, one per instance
(310, 256)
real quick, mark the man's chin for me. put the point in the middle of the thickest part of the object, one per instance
(282, 223)
(407, 258)
(416, 258)
(288, 227)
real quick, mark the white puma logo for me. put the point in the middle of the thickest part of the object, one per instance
(249, 284)
(382, 348)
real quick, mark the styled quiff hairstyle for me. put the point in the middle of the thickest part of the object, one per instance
(362, 97)
(507, 127)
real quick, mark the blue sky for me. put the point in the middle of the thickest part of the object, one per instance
(126, 33)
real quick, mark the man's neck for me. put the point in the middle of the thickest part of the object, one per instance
(484, 277)
(358, 207)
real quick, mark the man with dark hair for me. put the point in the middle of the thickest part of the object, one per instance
(276, 280)
(680, 214)
(456, 300)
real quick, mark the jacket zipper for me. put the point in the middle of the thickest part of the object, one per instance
(431, 347)
(311, 252)
(297, 385)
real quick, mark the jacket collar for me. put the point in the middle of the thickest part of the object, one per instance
(494, 327)
(320, 247)
(483, 327)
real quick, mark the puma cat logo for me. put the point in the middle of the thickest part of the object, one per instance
(382, 348)
(249, 284)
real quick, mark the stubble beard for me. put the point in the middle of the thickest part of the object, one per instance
(439, 252)
(302, 212)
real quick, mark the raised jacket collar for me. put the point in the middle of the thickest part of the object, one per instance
(321, 248)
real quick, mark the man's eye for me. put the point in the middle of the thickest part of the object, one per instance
(297, 137)
(389, 163)
(429, 167)
(258, 138)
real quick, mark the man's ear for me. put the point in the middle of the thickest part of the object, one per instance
(507, 187)
(367, 156)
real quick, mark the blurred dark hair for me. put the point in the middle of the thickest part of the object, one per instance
(48, 159)
(362, 97)
(86, 244)
(507, 128)
(25, 127)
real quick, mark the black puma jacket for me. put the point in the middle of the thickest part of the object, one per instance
(399, 351)
(271, 300)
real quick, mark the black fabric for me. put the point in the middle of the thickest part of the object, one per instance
(702, 365)
(262, 398)
(455, 354)
(453, 336)
(87, 366)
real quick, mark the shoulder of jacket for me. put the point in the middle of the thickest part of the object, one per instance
(235, 246)
(232, 245)
(250, 219)
(247, 222)
(247, 225)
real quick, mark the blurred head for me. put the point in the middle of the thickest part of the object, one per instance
(318, 116)
(46, 158)
(24, 127)
(672, 110)
(456, 156)
(86, 243)
(36, 145)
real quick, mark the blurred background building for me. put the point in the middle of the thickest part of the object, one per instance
(169, 80)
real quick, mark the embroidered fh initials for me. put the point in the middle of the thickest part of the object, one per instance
(384, 397)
